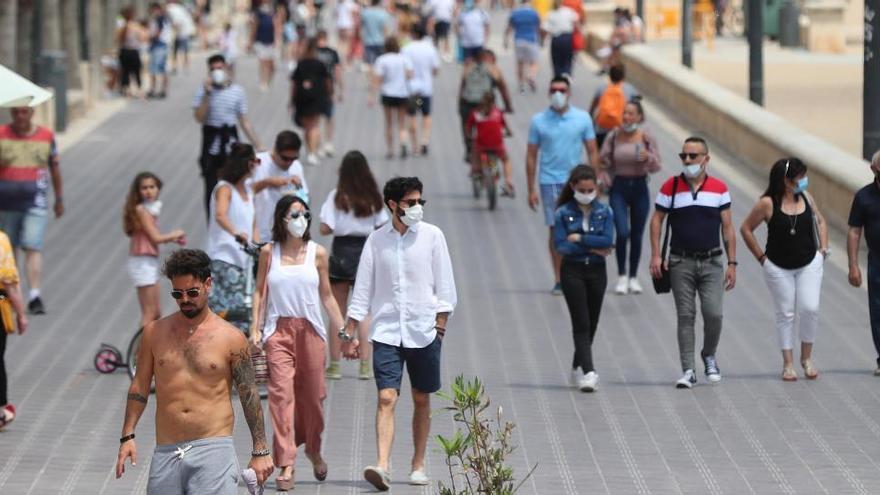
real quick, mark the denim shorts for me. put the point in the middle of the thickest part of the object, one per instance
(422, 366)
(158, 59)
(371, 53)
(25, 228)
(549, 195)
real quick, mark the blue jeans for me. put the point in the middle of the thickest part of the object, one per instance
(874, 298)
(630, 202)
(561, 54)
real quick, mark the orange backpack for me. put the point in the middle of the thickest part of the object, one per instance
(610, 110)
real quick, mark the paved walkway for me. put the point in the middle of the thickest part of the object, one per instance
(637, 434)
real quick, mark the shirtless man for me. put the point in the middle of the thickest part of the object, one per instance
(195, 357)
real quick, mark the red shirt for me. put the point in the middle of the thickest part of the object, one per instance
(489, 129)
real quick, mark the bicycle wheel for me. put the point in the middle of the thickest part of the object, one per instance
(491, 189)
(477, 183)
(131, 356)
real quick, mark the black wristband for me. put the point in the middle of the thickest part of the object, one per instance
(126, 438)
(734, 263)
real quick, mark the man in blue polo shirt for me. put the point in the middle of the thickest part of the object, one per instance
(525, 25)
(865, 215)
(557, 136)
(698, 207)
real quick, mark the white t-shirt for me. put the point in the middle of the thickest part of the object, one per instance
(441, 10)
(392, 68)
(472, 28)
(424, 59)
(345, 14)
(345, 223)
(265, 200)
(183, 23)
(559, 21)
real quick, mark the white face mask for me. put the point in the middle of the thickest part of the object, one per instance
(153, 207)
(585, 198)
(558, 100)
(297, 226)
(218, 77)
(630, 127)
(412, 215)
(693, 170)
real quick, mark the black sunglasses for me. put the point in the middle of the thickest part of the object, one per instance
(297, 214)
(190, 293)
(692, 156)
(413, 202)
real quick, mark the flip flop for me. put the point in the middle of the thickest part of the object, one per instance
(7, 416)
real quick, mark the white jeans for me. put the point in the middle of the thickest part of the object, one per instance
(799, 288)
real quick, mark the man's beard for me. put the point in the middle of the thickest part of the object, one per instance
(191, 311)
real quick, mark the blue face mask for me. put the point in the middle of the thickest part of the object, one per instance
(801, 185)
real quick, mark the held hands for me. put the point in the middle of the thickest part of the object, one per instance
(126, 450)
(855, 276)
(351, 350)
(263, 467)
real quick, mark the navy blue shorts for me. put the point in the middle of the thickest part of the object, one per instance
(423, 106)
(422, 366)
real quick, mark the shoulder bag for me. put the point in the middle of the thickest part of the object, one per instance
(663, 284)
(7, 315)
(815, 221)
(258, 355)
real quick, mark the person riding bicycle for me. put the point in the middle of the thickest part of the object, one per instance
(480, 76)
(487, 128)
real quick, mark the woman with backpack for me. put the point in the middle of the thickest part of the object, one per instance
(628, 155)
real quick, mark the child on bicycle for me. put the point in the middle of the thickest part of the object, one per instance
(488, 128)
(140, 221)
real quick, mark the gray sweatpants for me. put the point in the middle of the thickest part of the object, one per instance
(207, 465)
(689, 277)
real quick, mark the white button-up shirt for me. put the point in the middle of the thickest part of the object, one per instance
(403, 281)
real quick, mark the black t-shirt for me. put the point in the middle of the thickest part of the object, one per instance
(329, 58)
(865, 212)
(310, 80)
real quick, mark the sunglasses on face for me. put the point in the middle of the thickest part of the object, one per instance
(412, 202)
(190, 293)
(692, 156)
(297, 214)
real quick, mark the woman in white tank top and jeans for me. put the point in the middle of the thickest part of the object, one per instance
(294, 272)
(231, 225)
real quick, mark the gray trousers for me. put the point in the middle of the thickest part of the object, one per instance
(706, 278)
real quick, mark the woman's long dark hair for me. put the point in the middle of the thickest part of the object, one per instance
(579, 173)
(130, 220)
(238, 163)
(279, 224)
(784, 168)
(357, 190)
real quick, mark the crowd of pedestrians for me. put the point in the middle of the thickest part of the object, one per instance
(386, 284)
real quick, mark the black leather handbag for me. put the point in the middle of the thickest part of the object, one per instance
(663, 284)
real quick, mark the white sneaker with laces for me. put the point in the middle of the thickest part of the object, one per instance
(634, 286)
(419, 478)
(688, 380)
(589, 382)
(576, 376)
(622, 286)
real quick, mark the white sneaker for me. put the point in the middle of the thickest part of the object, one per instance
(622, 286)
(419, 478)
(688, 380)
(576, 376)
(328, 149)
(312, 159)
(634, 286)
(589, 382)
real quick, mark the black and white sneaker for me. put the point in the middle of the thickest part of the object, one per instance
(713, 374)
(35, 306)
(688, 380)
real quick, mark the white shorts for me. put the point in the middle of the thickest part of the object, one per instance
(143, 270)
(527, 52)
(264, 51)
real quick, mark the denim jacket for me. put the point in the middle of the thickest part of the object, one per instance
(570, 219)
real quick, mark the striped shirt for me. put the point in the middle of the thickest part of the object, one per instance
(696, 221)
(24, 168)
(225, 105)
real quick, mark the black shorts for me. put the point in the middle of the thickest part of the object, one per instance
(422, 366)
(345, 255)
(441, 30)
(328, 109)
(393, 101)
(422, 105)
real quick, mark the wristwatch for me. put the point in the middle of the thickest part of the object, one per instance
(344, 336)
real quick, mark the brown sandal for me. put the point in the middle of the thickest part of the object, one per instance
(284, 484)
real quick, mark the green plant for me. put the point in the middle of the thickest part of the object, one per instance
(476, 454)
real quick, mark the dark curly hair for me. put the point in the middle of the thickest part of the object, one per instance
(279, 224)
(184, 262)
(396, 188)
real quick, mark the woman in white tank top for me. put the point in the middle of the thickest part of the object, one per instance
(293, 278)
(231, 224)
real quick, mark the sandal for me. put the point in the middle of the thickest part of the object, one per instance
(7, 415)
(788, 374)
(810, 371)
(284, 484)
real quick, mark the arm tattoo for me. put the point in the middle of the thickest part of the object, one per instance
(137, 397)
(245, 382)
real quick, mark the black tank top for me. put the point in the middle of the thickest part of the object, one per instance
(790, 242)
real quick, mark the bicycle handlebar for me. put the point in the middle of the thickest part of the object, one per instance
(253, 248)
